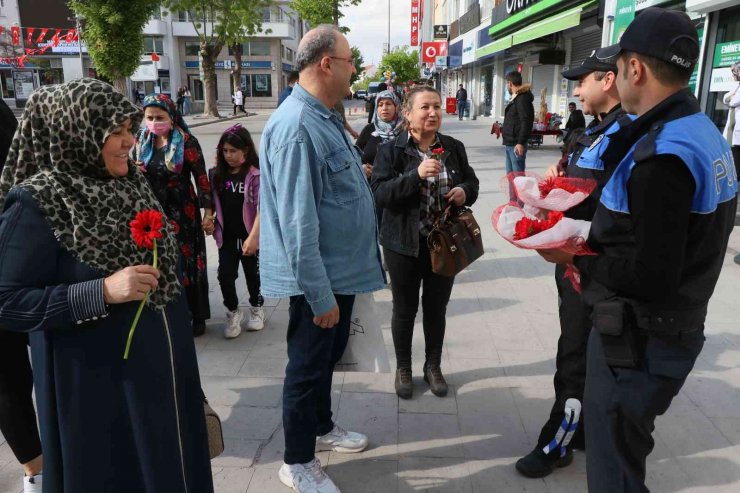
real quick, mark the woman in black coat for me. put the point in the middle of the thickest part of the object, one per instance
(413, 188)
(385, 126)
(72, 277)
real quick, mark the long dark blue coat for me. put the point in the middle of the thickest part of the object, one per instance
(107, 425)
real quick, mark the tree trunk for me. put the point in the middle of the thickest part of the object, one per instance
(120, 84)
(208, 54)
(335, 13)
(236, 73)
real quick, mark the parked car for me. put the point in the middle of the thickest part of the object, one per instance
(361, 94)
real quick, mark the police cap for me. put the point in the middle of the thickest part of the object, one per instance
(598, 61)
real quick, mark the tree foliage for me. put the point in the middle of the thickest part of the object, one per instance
(112, 30)
(359, 64)
(403, 61)
(317, 12)
(219, 23)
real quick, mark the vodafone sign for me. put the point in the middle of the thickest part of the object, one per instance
(430, 50)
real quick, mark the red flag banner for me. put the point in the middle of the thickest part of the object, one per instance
(16, 34)
(29, 35)
(42, 35)
(415, 21)
(56, 39)
(71, 35)
(155, 57)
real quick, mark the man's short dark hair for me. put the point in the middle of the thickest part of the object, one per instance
(666, 73)
(514, 77)
(572, 104)
(292, 77)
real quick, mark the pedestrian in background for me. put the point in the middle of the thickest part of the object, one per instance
(597, 91)
(17, 414)
(180, 100)
(661, 231)
(187, 101)
(171, 159)
(235, 185)
(414, 189)
(72, 277)
(575, 121)
(732, 127)
(385, 126)
(292, 79)
(318, 246)
(462, 100)
(238, 98)
(518, 121)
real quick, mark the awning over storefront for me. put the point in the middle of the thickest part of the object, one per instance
(549, 25)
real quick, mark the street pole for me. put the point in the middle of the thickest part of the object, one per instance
(79, 43)
(389, 26)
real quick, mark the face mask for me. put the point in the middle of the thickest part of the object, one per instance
(159, 128)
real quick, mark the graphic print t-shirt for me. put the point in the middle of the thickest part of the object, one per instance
(232, 201)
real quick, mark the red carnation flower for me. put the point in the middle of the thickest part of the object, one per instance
(191, 154)
(146, 228)
(187, 251)
(548, 185)
(437, 153)
(189, 210)
(527, 227)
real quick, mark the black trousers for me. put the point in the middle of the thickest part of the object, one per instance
(229, 257)
(240, 106)
(736, 158)
(570, 362)
(17, 414)
(622, 404)
(408, 276)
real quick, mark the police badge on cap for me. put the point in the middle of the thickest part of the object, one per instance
(667, 35)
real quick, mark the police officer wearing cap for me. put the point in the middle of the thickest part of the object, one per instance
(660, 230)
(596, 89)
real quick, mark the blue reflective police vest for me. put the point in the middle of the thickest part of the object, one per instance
(590, 157)
(696, 141)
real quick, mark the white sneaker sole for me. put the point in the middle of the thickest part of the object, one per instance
(338, 449)
(254, 328)
(286, 480)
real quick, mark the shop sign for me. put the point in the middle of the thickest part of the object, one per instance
(441, 31)
(430, 50)
(725, 54)
(415, 22)
(24, 84)
(722, 80)
(643, 4)
(64, 48)
(510, 14)
(441, 62)
(470, 19)
(229, 64)
(622, 17)
(468, 49)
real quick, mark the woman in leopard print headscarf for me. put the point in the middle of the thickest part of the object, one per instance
(71, 276)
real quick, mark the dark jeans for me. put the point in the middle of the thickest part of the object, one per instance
(622, 404)
(460, 109)
(229, 257)
(241, 108)
(570, 362)
(312, 354)
(408, 275)
(17, 414)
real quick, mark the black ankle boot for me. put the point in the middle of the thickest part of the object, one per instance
(538, 465)
(404, 384)
(199, 327)
(433, 376)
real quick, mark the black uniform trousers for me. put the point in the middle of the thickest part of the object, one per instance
(17, 415)
(570, 362)
(622, 404)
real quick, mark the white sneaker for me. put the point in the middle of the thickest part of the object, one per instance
(233, 323)
(342, 441)
(256, 318)
(307, 478)
(32, 484)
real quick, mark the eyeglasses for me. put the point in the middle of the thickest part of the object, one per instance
(350, 60)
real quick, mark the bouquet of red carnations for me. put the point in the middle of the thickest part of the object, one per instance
(555, 193)
(545, 231)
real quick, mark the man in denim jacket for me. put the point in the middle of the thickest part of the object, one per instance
(318, 243)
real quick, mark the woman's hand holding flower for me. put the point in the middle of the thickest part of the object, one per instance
(130, 284)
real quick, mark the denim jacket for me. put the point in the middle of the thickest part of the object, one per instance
(318, 233)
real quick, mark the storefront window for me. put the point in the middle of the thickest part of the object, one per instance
(728, 30)
(257, 85)
(259, 48)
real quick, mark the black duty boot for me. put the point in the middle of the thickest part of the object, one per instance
(433, 376)
(538, 465)
(199, 327)
(404, 384)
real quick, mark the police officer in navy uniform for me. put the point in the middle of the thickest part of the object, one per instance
(596, 89)
(661, 231)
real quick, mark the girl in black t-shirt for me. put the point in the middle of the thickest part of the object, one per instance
(236, 186)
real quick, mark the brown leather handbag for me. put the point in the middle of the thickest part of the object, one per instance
(455, 241)
(215, 431)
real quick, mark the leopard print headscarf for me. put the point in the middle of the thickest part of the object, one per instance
(56, 156)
